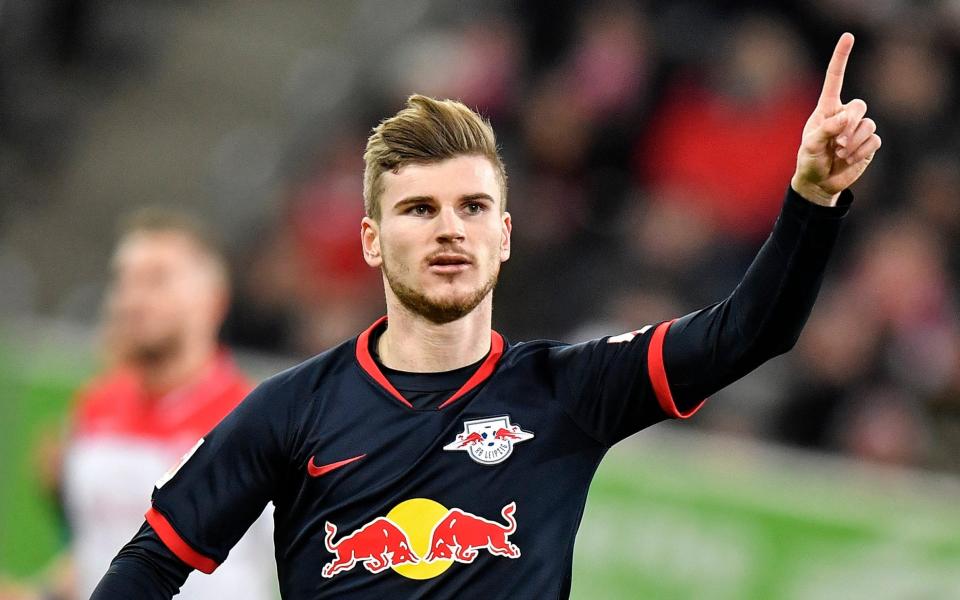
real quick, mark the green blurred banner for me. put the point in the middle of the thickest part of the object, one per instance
(675, 514)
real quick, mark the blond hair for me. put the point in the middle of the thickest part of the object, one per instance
(426, 131)
(157, 219)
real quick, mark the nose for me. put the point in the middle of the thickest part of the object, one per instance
(449, 226)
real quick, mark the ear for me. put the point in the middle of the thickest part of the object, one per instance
(370, 240)
(506, 227)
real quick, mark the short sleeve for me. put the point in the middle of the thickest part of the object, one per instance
(618, 385)
(202, 508)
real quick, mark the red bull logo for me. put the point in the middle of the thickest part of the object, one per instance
(378, 545)
(460, 535)
(490, 440)
(420, 539)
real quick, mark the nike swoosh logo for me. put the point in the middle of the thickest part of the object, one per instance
(316, 471)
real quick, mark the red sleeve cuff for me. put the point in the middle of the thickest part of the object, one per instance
(169, 536)
(658, 375)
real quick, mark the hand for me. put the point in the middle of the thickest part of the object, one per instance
(838, 142)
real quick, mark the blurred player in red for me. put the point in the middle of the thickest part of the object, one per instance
(168, 382)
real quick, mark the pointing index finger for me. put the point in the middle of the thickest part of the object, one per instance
(838, 64)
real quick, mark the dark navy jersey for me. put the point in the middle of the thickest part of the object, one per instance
(373, 496)
(474, 493)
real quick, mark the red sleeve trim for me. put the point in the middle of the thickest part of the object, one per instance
(175, 543)
(658, 375)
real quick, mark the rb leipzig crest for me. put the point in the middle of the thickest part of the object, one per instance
(490, 440)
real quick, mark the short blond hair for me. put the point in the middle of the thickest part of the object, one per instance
(426, 131)
(157, 219)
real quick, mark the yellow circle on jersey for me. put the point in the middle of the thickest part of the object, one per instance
(417, 517)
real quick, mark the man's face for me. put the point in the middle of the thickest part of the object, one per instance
(441, 236)
(164, 293)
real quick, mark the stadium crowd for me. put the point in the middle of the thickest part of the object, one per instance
(627, 129)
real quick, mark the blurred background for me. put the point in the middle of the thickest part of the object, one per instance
(648, 145)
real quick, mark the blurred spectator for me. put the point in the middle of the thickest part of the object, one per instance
(933, 186)
(727, 145)
(306, 287)
(648, 144)
(482, 70)
(884, 424)
(837, 353)
(901, 279)
(943, 410)
(167, 383)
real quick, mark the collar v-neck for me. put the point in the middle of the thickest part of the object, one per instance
(369, 365)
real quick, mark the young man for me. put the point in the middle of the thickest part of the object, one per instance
(169, 383)
(430, 458)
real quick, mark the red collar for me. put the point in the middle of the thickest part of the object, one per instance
(482, 373)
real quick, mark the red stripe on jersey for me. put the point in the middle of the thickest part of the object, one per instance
(483, 372)
(658, 375)
(175, 543)
(370, 366)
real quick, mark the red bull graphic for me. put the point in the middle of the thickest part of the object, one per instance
(378, 544)
(461, 534)
(473, 438)
(420, 539)
(490, 440)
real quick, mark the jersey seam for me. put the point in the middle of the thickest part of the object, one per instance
(573, 420)
(572, 536)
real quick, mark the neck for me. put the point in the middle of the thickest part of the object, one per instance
(176, 370)
(412, 343)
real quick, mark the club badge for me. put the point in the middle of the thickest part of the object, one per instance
(490, 440)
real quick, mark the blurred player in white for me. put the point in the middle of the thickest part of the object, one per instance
(169, 381)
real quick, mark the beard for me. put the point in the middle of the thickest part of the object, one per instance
(146, 353)
(437, 311)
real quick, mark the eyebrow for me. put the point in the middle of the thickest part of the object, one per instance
(464, 198)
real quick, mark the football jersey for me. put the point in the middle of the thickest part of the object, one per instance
(376, 498)
(476, 492)
(121, 443)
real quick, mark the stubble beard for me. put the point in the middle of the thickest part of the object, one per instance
(147, 354)
(439, 312)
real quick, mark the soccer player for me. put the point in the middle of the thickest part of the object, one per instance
(431, 458)
(170, 383)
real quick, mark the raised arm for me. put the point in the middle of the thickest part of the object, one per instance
(763, 317)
